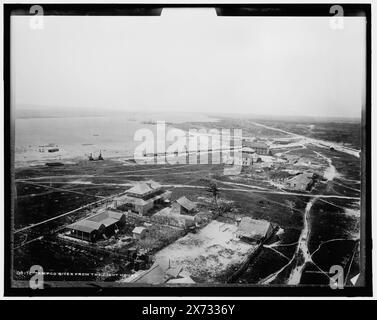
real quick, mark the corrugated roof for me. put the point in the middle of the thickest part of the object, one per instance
(86, 226)
(160, 272)
(109, 221)
(92, 223)
(186, 203)
(132, 200)
(138, 201)
(115, 215)
(252, 228)
(106, 217)
(144, 187)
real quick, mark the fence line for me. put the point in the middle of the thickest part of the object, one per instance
(67, 213)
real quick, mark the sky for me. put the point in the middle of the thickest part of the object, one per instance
(184, 62)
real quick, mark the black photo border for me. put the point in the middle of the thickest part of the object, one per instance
(104, 289)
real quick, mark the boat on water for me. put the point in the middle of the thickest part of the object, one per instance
(100, 158)
(54, 164)
(149, 122)
(53, 150)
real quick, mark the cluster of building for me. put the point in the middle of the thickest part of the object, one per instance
(296, 179)
(249, 156)
(142, 199)
(251, 153)
(259, 147)
(182, 213)
(149, 198)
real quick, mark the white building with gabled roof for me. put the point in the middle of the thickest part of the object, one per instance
(142, 197)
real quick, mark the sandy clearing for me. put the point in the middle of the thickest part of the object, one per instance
(209, 252)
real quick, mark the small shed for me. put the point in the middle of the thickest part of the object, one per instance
(139, 232)
(184, 205)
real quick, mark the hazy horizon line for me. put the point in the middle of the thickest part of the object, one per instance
(22, 112)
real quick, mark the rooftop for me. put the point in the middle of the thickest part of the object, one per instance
(95, 222)
(252, 228)
(86, 226)
(186, 203)
(106, 217)
(160, 272)
(138, 230)
(139, 201)
(144, 187)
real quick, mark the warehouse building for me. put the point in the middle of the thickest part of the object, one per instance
(98, 226)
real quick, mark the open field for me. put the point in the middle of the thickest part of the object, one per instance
(79, 265)
(348, 132)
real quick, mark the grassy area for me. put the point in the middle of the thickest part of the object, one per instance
(313, 276)
(57, 258)
(348, 132)
(329, 222)
(265, 263)
(35, 209)
(288, 242)
(334, 253)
